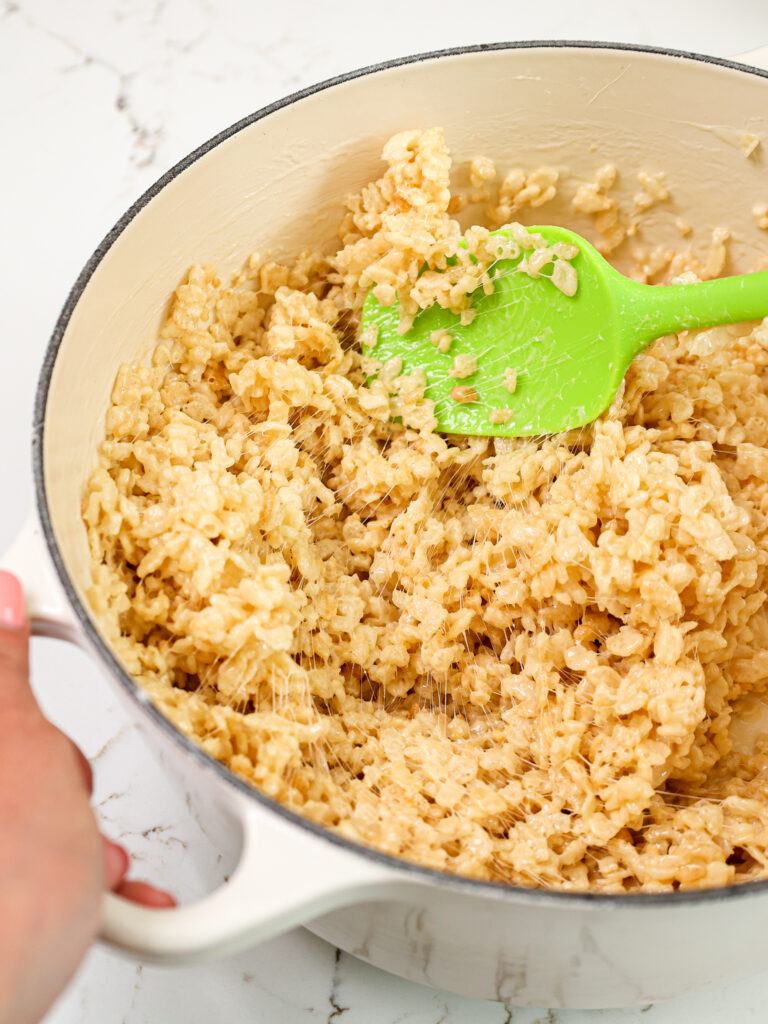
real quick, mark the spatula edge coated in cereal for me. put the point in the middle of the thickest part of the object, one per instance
(547, 361)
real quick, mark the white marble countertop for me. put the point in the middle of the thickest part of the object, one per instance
(97, 100)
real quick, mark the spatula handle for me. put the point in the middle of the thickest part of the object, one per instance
(650, 311)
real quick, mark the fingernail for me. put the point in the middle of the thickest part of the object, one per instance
(116, 863)
(13, 614)
(147, 895)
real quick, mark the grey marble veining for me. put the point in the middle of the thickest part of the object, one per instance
(98, 100)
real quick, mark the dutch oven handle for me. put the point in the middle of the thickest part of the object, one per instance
(285, 875)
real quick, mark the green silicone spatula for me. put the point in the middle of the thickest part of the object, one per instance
(547, 361)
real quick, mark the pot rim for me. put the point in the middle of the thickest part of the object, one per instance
(416, 873)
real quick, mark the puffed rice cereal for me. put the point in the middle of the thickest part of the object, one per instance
(513, 659)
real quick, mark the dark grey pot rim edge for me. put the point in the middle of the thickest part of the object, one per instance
(494, 890)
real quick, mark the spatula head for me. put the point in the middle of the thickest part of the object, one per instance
(567, 353)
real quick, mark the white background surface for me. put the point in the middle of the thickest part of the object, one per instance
(97, 99)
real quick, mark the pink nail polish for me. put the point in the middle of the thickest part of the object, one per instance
(116, 862)
(13, 614)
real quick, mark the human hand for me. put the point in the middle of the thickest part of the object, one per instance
(54, 864)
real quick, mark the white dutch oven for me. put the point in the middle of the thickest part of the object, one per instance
(275, 182)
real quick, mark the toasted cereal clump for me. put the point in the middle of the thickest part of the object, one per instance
(564, 277)
(749, 143)
(539, 661)
(654, 190)
(400, 241)
(497, 416)
(760, 214)
(481, 169)
(683, 226)
(521, 189)
(464, 365)
(442, 340)
(593, 197)
(464, 393)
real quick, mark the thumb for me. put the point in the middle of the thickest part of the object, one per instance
(15, 694)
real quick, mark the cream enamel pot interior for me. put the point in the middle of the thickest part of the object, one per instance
(275, 182)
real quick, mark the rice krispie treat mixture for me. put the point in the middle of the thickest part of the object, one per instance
(516, 660)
